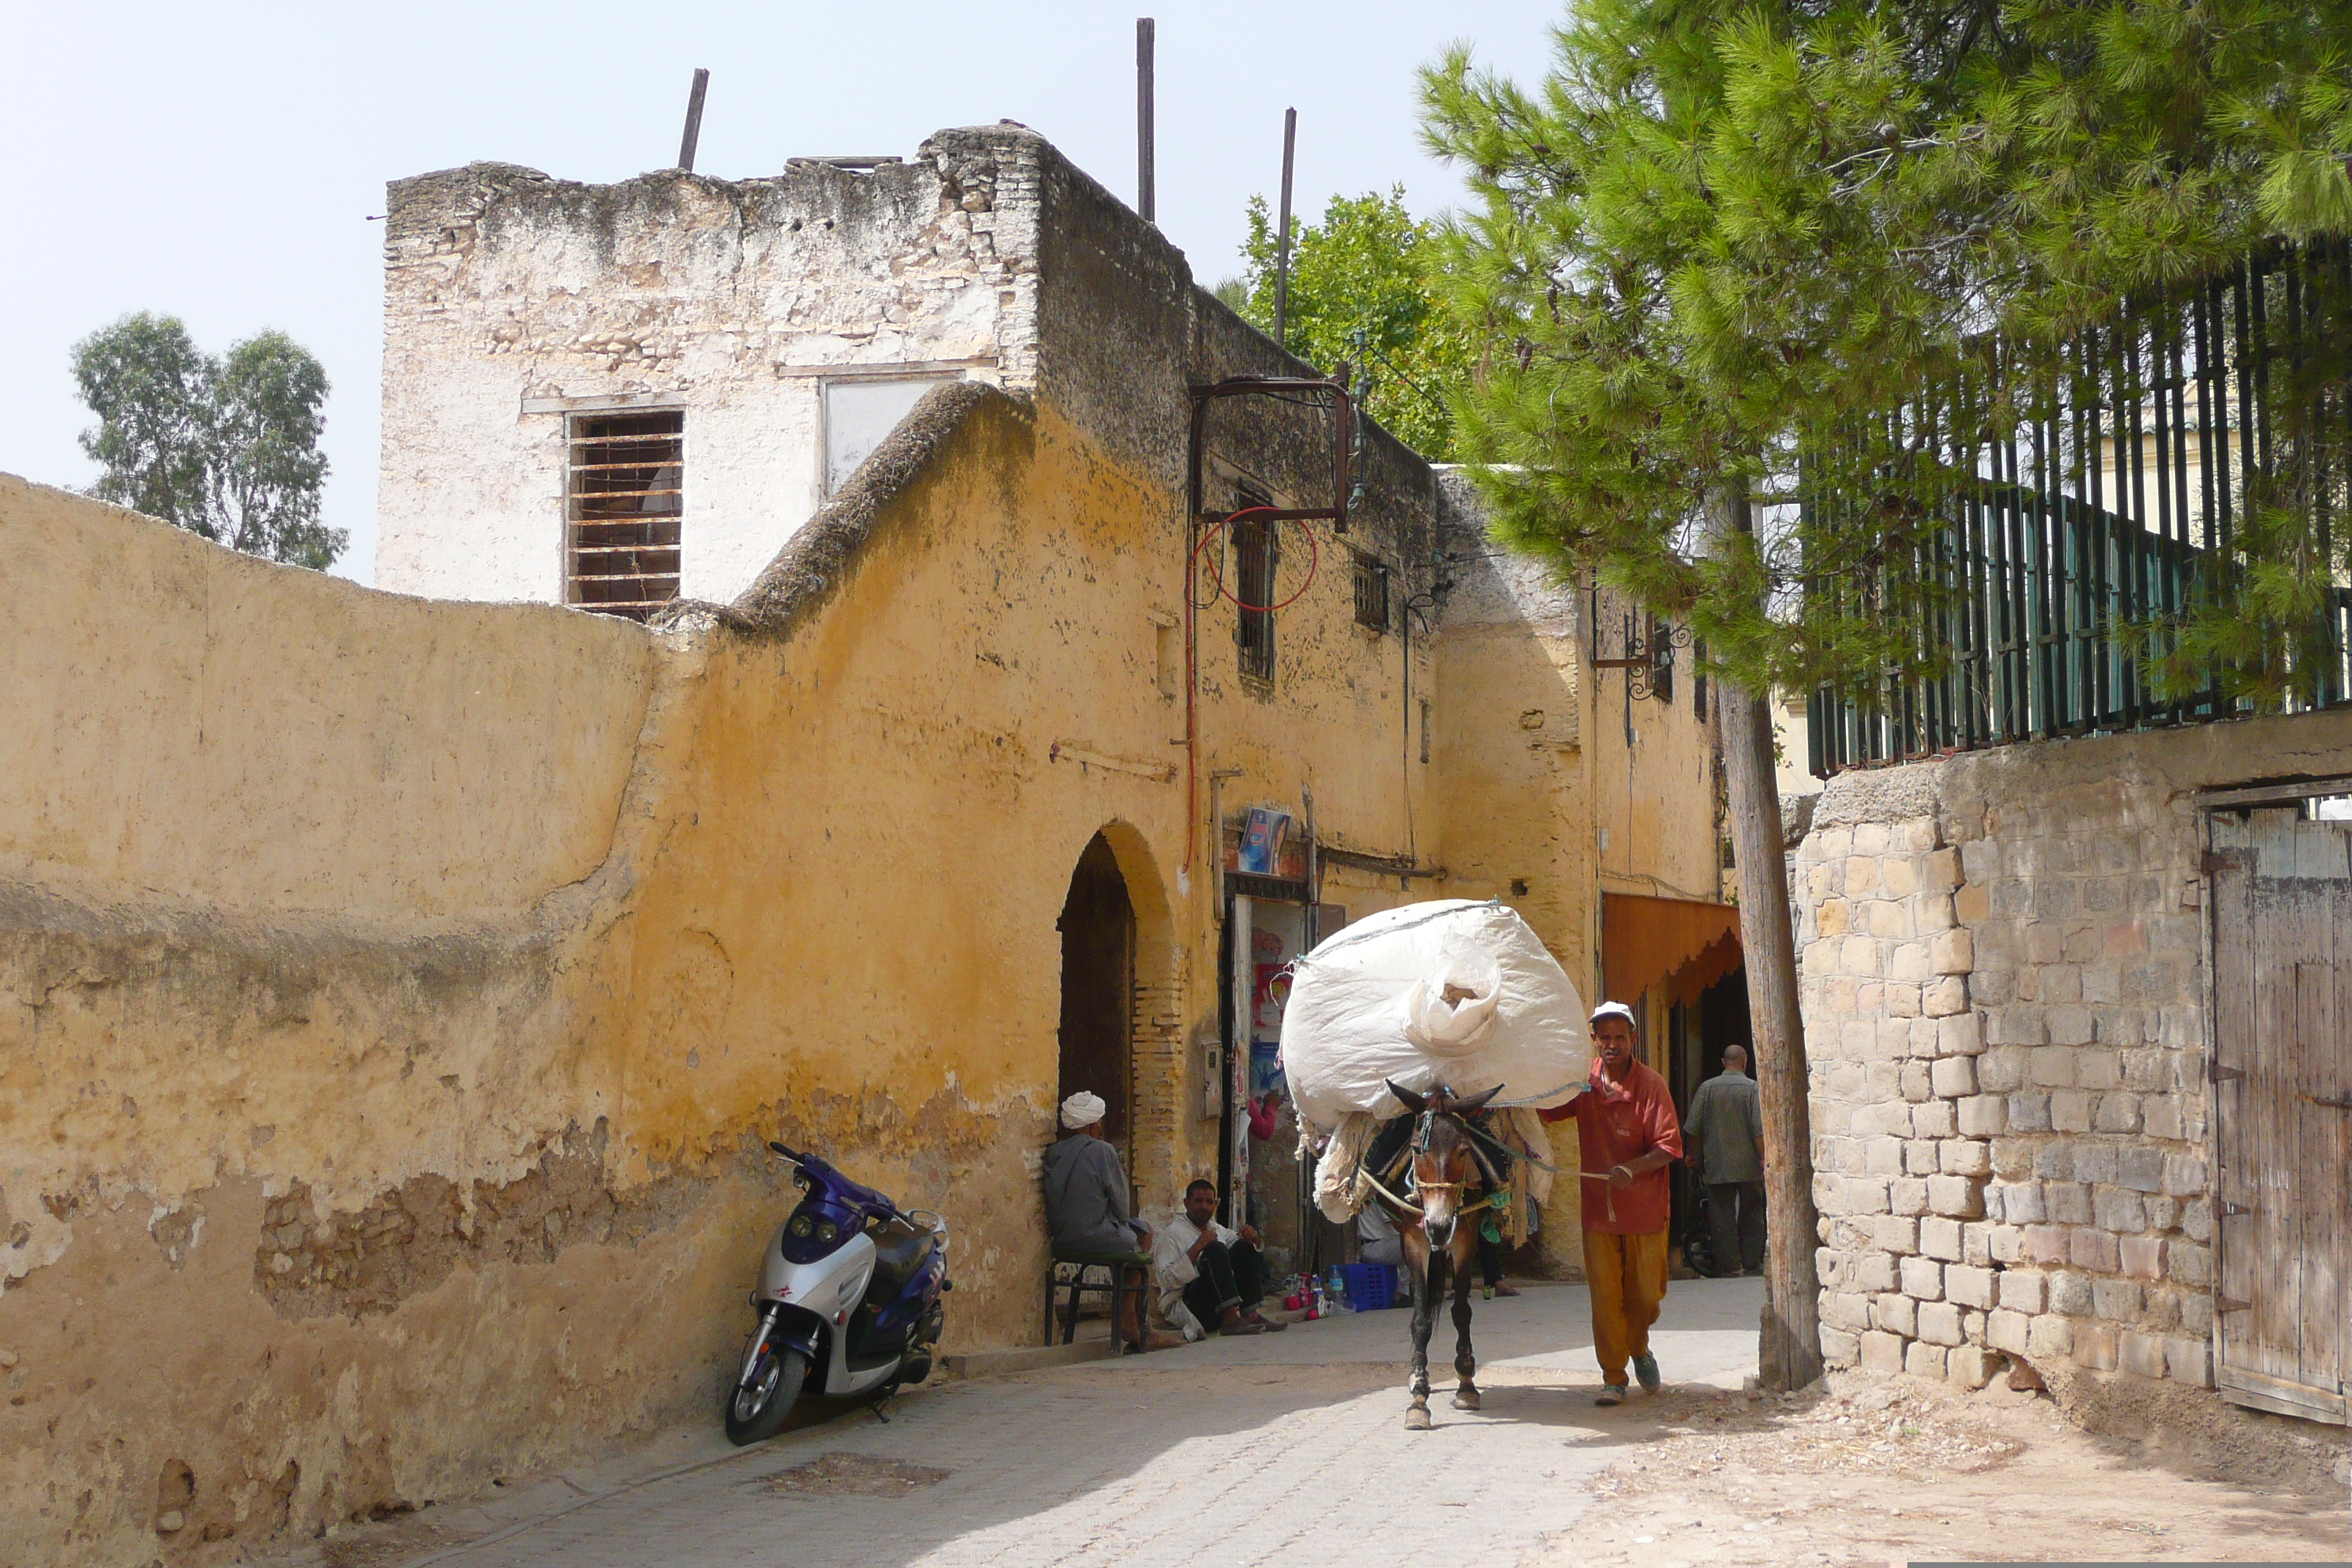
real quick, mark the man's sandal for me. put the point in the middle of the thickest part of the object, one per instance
(1611, 1394)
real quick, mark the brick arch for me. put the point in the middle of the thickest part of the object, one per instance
(1159, 1074)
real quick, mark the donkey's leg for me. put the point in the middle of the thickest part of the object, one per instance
(1466, 1365)
(1424, 1321)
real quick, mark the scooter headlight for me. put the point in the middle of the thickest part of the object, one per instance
(827, 1232)
(800, 1225)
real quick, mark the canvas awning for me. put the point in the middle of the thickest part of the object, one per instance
(1680, 944)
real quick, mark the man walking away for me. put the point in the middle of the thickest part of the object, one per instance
(1725, 1134)
(1627, 1134)
(1208, 1274)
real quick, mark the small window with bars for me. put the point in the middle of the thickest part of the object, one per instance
(1253, 561)
(1371, 592)
(624, 503)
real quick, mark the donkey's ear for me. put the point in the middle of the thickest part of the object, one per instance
(1406, 1097)
(1476, 1101)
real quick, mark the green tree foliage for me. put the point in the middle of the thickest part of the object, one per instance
(1712, 238)
(225, 448)
(1361, 292)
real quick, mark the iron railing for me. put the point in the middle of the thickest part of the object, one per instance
(2076, 519)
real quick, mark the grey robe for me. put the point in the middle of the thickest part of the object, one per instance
(1086, 1197)
(1726, 1129)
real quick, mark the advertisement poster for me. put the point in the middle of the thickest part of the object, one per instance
(1262, 833)
(1269, 990)
(1266, 1067)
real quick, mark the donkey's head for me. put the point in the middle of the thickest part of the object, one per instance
(1443, 1160)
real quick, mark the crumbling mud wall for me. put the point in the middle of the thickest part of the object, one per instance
(355, 995)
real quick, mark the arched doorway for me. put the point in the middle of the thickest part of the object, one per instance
(1098, 927)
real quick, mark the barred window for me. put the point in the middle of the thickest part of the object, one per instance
(624, 507)
(1254, 554)
(1371, 592)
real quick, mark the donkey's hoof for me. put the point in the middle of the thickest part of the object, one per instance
(1417, 1419)
(1465, 1399)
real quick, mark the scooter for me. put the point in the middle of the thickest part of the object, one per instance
(848, 1301)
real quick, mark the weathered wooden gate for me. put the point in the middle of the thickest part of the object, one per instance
(2282, 1070)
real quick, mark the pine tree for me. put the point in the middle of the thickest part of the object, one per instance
(1715, 240)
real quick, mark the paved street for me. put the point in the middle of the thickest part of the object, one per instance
(1288, 1449)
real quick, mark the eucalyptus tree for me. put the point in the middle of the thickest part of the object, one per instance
(226, 448)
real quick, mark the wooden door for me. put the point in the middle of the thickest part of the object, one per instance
(2281, 1071)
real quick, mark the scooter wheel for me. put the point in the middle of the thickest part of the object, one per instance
(757, 1412)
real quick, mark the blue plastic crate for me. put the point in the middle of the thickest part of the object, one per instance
(1370, 1286)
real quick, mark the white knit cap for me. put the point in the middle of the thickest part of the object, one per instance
(1612, 1010)
(1083, 1109)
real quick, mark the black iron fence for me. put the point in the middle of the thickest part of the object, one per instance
(2083, 512)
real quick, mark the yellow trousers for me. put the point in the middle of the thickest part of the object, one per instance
(1627, 1276)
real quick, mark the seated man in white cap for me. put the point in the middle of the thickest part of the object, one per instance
(1085, 1205)
(1210, 1276)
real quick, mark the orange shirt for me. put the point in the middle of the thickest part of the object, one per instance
(1617, 1122)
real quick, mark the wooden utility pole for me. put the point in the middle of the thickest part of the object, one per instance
(1789, 1353)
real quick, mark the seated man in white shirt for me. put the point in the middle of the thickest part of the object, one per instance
(1207, 1274)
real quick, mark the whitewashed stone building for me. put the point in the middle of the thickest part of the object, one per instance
(758, 337)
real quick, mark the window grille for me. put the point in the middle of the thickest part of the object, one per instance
(1373, 592)
(1254, 554)
(624, 511)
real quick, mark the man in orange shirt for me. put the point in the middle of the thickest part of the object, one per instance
(1627, 1135)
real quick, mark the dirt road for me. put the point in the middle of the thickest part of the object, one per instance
(1291, 1449)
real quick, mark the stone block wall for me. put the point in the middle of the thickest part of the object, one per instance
(2003, 993)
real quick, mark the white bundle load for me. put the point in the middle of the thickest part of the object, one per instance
(1450, 992)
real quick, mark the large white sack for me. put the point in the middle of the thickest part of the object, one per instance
(1369, 1004)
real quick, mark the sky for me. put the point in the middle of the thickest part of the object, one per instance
(220, 162)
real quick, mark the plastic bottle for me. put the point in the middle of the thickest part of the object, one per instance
(1338, 1288)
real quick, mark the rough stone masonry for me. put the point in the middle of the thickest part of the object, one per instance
(2003, 989)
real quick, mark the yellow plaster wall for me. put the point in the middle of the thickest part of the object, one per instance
(188, 720)
(394, 995)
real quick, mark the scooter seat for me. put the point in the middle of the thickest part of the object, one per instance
(900, 1249)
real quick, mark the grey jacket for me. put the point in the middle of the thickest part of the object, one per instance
(1086, 1197)
(1725, 1129)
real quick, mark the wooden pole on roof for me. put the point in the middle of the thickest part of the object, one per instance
(693, 120)
(1146, 173)
(1281, 239)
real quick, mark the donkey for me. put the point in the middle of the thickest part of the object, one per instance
(1442, 1235)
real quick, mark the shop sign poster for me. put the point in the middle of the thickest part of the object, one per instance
(1262, 835)
(1266, 1067)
